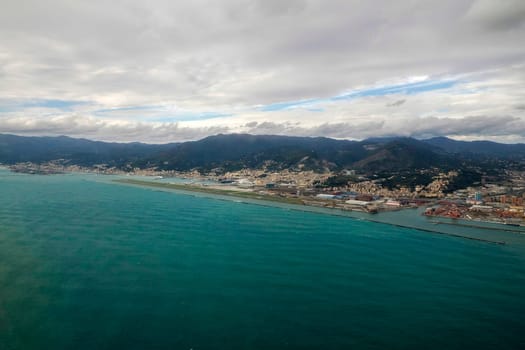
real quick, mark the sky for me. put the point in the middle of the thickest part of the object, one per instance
(162, 71)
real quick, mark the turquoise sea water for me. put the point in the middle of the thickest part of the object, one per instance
(86, 264)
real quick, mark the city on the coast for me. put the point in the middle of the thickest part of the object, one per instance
(347, 190)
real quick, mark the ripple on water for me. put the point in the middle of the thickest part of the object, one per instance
(88, 264)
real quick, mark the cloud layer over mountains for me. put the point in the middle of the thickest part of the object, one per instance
(162, 71)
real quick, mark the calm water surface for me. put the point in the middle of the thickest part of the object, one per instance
(86, 264)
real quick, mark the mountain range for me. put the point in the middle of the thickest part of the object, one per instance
(236, 151)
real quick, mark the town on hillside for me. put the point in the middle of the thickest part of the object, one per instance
(444, 194)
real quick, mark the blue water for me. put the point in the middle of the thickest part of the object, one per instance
(87, 264)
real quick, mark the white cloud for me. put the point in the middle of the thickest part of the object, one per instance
(106, 130)
(210, 57)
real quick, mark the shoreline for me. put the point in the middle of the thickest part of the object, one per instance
(298, 205)
(493, 233)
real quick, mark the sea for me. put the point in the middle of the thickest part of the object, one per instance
(87, 263)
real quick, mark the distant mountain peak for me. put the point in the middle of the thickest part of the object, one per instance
(235, 151)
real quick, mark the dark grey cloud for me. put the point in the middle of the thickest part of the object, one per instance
(497, 15)
(396, 103)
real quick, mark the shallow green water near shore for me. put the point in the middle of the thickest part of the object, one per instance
(86, 264)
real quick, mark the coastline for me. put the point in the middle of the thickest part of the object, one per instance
(389, 218)
(410, 218)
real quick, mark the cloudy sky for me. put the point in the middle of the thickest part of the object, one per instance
(164, 71)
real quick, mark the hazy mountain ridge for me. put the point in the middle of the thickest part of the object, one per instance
(236, 151)
(85, 152)
(479, 148)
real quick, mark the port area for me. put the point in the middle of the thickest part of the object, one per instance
(470, 214)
